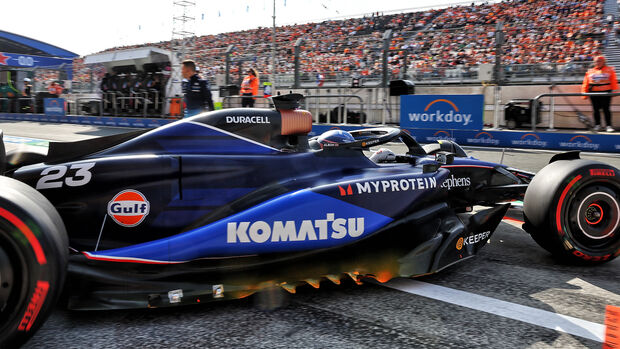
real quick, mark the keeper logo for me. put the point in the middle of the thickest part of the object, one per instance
(474, 239)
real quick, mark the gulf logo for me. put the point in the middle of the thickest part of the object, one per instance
(129, 208)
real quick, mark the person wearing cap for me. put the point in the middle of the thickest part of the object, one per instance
(26, 92)
(600, 78)
(196, 90)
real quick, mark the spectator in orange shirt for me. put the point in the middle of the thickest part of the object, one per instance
(55, 89)
(249, 87)
(601, 78)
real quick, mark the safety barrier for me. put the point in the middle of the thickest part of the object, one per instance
(604, 143)
(17, 106)
(488, 138)
(536, 102)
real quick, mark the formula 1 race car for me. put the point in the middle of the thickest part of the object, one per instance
(231, 202)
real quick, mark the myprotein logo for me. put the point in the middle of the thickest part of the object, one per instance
(291, 231)
(247, 120)
(456, 182)
(129, 208)
(529, 139)
(396, 185)
(431, 114)
(483, 138)
(580, 142)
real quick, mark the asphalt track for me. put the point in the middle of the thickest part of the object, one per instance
(512, 295)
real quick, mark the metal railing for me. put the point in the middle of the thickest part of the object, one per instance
(17, 104)
(343, 100)
(536, 102)
(226, 100)
(145, 102)
(78, 102)
(342, 105)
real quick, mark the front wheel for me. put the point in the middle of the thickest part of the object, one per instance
(572, 209)
(33, 261)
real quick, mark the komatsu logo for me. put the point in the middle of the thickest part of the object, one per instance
(290, 231)
(393, 185)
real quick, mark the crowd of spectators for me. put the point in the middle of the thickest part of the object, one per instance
(425, 43)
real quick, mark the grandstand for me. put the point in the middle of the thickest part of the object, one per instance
(542, 37)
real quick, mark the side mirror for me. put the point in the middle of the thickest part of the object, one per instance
(444, 158)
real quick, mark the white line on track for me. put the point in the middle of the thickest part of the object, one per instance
(534, 316)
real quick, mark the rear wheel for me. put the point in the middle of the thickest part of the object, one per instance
(33, 261)
(572, 209)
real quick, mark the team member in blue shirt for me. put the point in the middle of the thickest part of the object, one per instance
(197, 94)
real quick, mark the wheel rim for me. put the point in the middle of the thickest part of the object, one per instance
(598, 215)
(594, 216)
(6, 278)
(12, 273)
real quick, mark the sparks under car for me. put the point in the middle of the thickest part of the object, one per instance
(231, 202)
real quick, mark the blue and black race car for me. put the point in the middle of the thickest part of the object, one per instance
(231, 202)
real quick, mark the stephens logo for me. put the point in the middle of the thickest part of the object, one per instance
(129, 208)
(530, 139)
(282, 231)
(580, 142)
(483, 138)
(455, 182)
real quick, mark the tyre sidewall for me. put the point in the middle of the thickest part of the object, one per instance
(40, 244)
(550, 204)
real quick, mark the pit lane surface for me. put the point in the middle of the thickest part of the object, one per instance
(512, 271)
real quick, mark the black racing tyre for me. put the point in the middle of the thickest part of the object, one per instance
(572, 209)
(2, 153)
(33, 261)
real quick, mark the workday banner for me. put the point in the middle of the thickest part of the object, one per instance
(54, 106)
(442, 112)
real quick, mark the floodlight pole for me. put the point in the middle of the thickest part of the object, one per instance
(273, 50)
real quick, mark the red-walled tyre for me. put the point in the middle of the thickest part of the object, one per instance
(572, 209)
(33, 261)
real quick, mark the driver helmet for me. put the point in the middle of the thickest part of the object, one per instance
(26, 80)
(334, 138)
